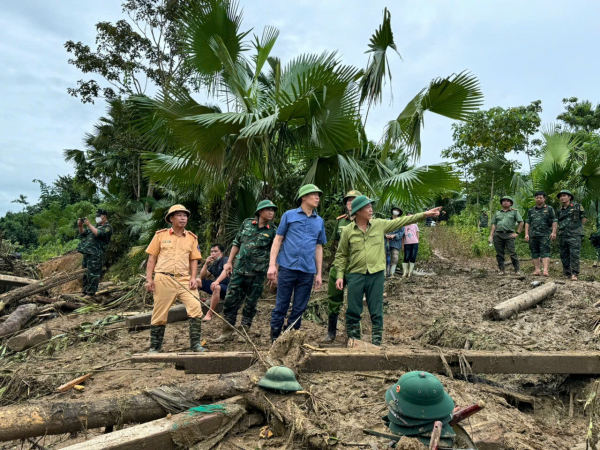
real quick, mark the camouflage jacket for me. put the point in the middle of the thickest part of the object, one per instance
(569, 220)
(340, 223)
(95, 245)
(255, 247)
(483, 220)
(540, 220)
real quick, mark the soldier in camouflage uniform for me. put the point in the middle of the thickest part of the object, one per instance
(503, 233)
(93, 243)
(571, 219)
(335, 297)
(483, 219)
(540, 228)
(251, 250)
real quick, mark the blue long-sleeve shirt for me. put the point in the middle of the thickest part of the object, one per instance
(397, 241)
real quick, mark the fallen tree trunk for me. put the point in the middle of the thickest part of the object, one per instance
(40, 286)
(521, 302)
(23, 421)
(29, 338)
(10, 280)
(17, 319)
(68, 306)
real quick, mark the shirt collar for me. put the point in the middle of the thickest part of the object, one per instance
(300, 210)
(171, 231)
(267, 226)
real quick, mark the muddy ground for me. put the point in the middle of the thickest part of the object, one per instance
(445, 310)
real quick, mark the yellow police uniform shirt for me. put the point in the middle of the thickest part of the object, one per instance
(174, 251)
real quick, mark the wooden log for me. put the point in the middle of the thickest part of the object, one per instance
(68, 306)
(344, 360)
(29, 338)
(177, 313)
(10, 280)
(23, 421)
(522, 302)
(71, 384)
(179, 431)
(17, 319)
(40, 286)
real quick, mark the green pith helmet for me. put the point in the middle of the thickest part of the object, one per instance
(265, 204)
(360, 202)
(420, 395)
(397, 416)
(280, 378)
(307, 189)
(565, 191)
(506, 197)
(351, 193)
(425, 430)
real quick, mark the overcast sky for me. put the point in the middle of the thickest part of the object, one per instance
(521, 50)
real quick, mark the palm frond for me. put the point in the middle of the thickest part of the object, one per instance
(77, 156)
(372, 82)
(558, 147)
(263, 48)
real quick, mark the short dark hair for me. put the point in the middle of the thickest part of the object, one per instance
(540, 193)
(221, 248)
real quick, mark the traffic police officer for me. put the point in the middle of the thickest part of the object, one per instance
(93, 245)
(571, 219)
(335, 297)
(250, 253)
(173, 260)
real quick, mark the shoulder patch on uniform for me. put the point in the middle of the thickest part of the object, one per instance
(342, 217)
(163, 230)
(193, 234)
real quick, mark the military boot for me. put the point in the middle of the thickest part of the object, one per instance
(226, 333)
(331, 329)
(157, 334)
(275, 332)
(196, 334)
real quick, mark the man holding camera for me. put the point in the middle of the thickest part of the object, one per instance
(93, 243)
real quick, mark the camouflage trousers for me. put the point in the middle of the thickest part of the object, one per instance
(570, 251)
(335, 297)
(243, 287)
(93, 263)
(539, 246)
(371, 286)
(504, 243)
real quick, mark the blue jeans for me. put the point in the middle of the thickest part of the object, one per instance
(410, 252)
(291, 282)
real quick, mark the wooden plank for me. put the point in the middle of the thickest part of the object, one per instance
(177, 313)
(10, 280)
(585, 363)
(71, 384)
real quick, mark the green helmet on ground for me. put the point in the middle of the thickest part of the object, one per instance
(360, 202)
(307, 189)
(565, 191)
(280, 378)
(421, 395)
(265, 204)
(510, 199)
(423, 430)
(350, 194)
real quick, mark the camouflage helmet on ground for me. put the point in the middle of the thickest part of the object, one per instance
(565, 191)
(280, 378)
(421, 395)
(510, 199)
(350, 194)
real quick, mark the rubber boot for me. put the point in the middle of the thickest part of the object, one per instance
(411, 267)
(393, 270)
(245, 330)
(196, 334)
(331, 329)
(404, 270)
(275, 332)
(226, 334)
(157, 335)
(387, 271)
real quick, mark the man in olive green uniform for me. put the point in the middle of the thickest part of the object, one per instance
(540, 228)
(571, 219)
(503, 232)
(250, 255)
(93, 245)
(335, 297)
(361, 259)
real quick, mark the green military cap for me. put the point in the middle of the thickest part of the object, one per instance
(421, 395)
(360, 202)
(265, 204)
(307, 189)
(506, 197)
(351, 193)
(280, 378)
(565, 191)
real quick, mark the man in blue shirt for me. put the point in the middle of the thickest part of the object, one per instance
(300, 236)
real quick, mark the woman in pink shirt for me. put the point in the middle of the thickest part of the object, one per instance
(410, 247)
